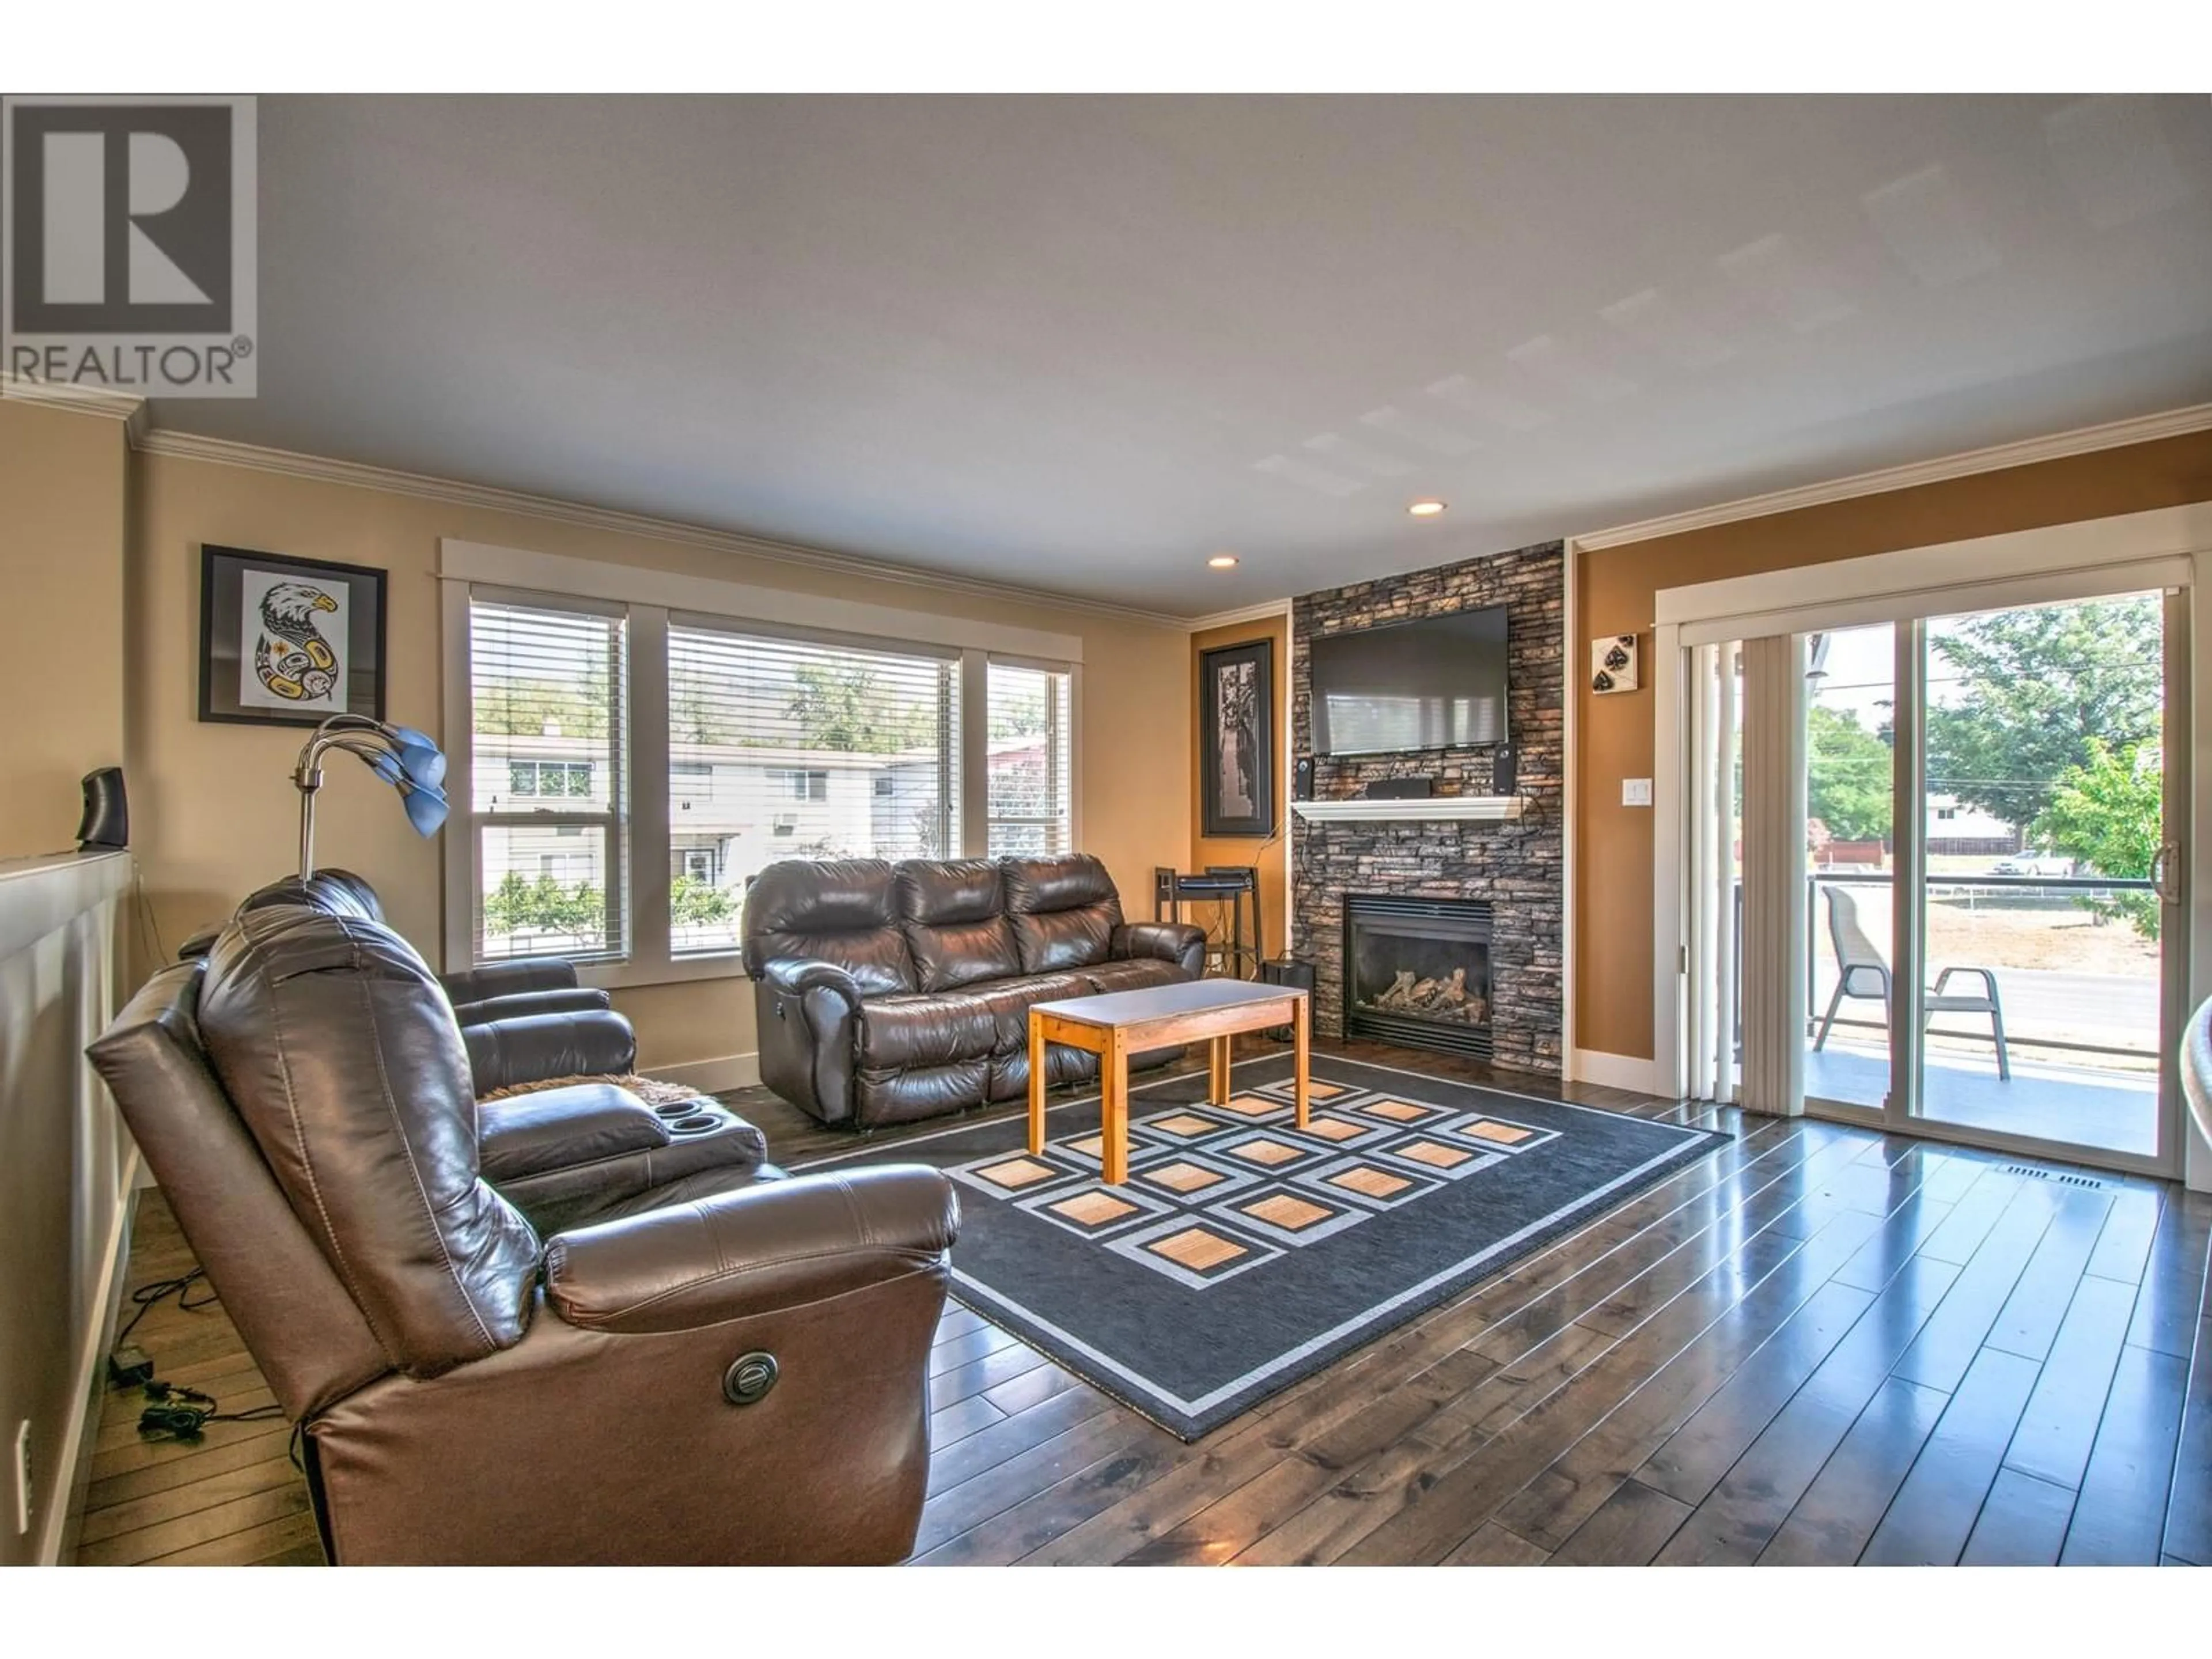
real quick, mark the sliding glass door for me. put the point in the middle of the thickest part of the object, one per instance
(1932, 875)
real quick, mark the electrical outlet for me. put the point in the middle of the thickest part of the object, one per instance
(23, 1477)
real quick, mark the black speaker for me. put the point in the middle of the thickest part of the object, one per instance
(1400, 789)
(1284, 971)
(106, 825)
(1505, 770)
(1302, 779)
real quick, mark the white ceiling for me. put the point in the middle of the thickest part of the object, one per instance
(1082, 344)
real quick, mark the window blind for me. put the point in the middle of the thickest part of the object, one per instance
(782, 748)
(1713, 705)
(1774, 924)
(546, 784)
(1031, 800)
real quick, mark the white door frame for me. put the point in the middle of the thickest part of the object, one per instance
(2165, 548)
(1670, 872)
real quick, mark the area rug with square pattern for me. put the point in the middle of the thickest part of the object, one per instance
(1243, 1253)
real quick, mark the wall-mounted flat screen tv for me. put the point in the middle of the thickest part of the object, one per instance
(1435, 683)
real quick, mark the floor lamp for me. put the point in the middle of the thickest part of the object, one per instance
(401, 755)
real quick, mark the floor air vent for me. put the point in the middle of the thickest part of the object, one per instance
(2093, 1184)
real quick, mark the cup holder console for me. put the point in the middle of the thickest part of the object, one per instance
(696, 1116)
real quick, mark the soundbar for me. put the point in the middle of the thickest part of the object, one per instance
(1400, 789)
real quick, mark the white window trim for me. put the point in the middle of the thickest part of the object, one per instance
(650, 595)
(461, 844)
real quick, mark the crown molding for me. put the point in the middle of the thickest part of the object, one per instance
(224, 452)
(1268, 610)
(99, 401)
(2114, 434)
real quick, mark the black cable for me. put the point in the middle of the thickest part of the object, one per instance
(182, 1414)
(177, 1411)
(146, 1296)
(143, 910)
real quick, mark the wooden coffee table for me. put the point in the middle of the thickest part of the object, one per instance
(1122, 1023)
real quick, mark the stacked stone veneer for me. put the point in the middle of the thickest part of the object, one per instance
(1515, 864)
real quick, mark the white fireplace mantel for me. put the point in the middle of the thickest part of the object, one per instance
(1363, 811)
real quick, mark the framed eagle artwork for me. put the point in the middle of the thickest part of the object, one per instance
(287, 642)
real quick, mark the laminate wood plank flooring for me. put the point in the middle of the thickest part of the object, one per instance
(1819, 1346)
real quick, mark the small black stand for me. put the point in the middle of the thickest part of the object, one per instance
(1230, 884)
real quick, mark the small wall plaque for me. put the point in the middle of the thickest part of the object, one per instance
(1612, 664)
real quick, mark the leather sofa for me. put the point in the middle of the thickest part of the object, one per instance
(888, 993)
(721, 1364)
(524, 1022)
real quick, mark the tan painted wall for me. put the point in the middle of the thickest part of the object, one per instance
(217, 815)
(1271, 856)
(62, 606)
(1613, 859)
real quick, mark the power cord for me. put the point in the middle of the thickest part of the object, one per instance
(182, 1414)
(142, 912)
(146, 1297)
(175, 1411)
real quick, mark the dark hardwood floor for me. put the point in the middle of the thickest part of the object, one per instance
(1819, 1345)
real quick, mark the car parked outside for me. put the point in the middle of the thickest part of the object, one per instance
(2032, 864)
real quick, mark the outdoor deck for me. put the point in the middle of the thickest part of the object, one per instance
(2080, 1001)
(2085, 1105)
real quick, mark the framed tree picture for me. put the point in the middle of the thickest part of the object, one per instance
(1237, 723)
(288, 641)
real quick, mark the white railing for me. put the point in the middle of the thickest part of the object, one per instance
(66, 1170)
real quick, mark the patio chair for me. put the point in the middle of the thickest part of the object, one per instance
(1861, 964)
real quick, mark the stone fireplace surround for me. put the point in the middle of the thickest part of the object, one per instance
(1516, 865)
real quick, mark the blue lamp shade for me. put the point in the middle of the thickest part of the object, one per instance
(421, 760)
(425, 801)
(426, 807)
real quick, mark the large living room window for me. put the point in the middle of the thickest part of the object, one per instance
(785, 748)
(640, 743)
(545, 798)
(1030, 798)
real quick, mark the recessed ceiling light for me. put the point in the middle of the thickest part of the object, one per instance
(1427, 507)
(1222, 561)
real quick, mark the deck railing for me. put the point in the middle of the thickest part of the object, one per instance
(1973, 888)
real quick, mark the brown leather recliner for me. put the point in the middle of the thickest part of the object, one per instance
(734, 1370)
(525, 1022)
(888, 992)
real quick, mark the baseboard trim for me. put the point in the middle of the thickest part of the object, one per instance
(1617, 1071)
(711, 1076)
(67, 1513)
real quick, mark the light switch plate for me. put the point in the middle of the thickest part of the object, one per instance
(1636, 792)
